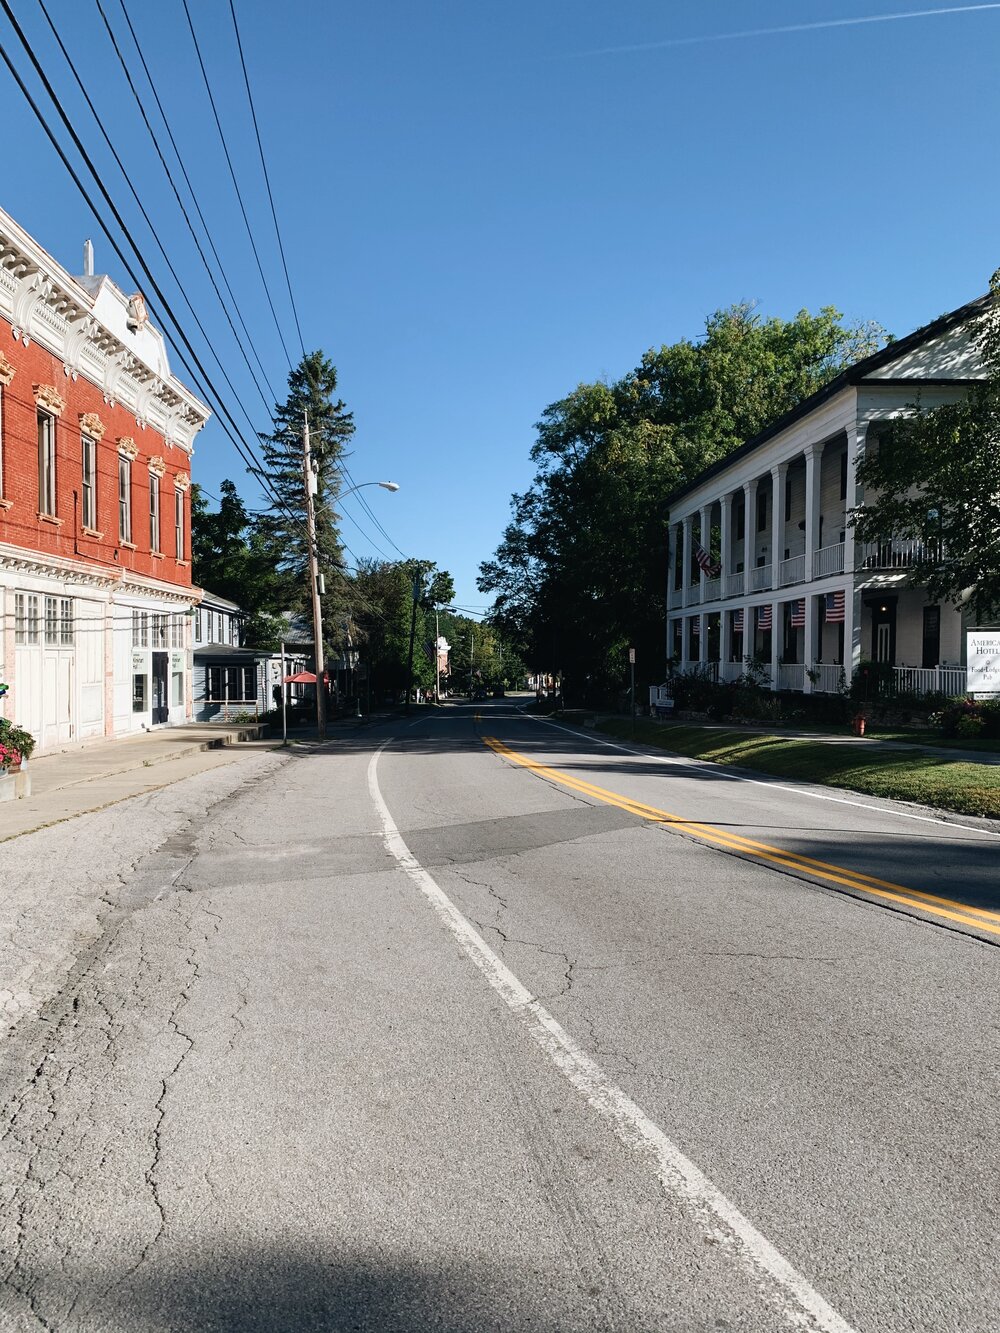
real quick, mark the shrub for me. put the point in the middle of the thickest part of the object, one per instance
(15, 744)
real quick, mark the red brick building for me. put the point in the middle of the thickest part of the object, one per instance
(96, 437)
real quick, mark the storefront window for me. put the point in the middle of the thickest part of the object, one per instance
(138, 693)
(177, 695)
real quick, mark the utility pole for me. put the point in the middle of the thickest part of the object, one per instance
(437, 654)
(472, 655)
(418, 579)
(309, 478)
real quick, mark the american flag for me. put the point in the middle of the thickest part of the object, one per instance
(834, 608)
(738, 622)
(798, 616)
(704, 560)
(764, 616)
(696, 625)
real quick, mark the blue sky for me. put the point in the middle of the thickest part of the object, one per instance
(483, 205)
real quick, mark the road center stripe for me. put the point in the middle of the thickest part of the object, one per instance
(721, 1222)
(981, 918)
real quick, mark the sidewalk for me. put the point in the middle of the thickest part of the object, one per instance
(66, 783)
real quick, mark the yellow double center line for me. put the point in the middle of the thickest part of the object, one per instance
(981, 918)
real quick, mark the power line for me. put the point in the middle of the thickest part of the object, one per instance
(191, 191)
(267, 179)
(205, 378)
(141, 206)
(236, 186)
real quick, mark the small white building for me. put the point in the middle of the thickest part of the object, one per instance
(790, 587)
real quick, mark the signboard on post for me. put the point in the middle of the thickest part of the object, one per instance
(982, 656)
(631, 656)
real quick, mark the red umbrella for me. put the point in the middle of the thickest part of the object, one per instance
(306, 678)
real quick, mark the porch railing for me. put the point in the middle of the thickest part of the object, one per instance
(792, 570)
(713, 590)
(828, 560)
(791, 675)
(829, 678)
(734, 585)
(900, 553)
(930, 680)
(760, 578)
(692, 594)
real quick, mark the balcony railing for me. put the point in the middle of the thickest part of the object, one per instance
(692, 594)
(791, 676)
(900, 553)
(760, 578)
(713, 590)
(734, 585)
(792, 570)
(828, 560)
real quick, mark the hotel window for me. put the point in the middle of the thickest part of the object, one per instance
(124, 499)
(1, 440)
(176, 632)
(66, 621)
(46, 464)
(158, 635)
(52, 620)
(25, 618)
(179, 523)
(762, 511)
(140, 629)
(154, 512)
(89, 451)
(197, 625)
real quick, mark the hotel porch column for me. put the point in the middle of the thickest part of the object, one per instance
(777, 635)
(813, 458)
(853, 553)
(808, 644)
(725, 641)
(725, 541)
(705, 540)
(686, 557)
(777, 521)
(749, 537)
(702, 637)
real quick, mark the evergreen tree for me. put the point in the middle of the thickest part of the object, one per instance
(229, 559)
(312, 393)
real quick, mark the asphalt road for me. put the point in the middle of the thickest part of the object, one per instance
(479, 1023)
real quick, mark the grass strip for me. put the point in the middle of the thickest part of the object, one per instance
(946, 784)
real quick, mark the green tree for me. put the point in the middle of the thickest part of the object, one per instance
(312, 392)
(229, 558)
(580, 574)
(933, 478)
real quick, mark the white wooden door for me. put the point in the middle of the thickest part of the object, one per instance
(90, 667)
(57, 698)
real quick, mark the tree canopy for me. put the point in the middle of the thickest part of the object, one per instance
(933, 478)
(580, 574)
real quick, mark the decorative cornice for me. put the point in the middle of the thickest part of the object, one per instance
(7, 371)
(182, 481)
(157, 466)
(92, 425)
(127, 448)
(49, 397)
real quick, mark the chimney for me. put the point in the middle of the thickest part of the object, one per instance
(88, 258)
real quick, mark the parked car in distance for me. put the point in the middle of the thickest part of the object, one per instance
(479, 695)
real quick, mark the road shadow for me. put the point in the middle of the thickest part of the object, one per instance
(286, 1289)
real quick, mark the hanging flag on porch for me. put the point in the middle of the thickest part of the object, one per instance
(798, 617)
(738, 621)
(764, 616)
(696, 625)
(704, 561)
(835, 608)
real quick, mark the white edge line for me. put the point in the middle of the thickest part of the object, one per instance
(802, 1307)
(683, 761)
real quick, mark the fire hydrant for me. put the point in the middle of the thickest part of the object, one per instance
(858, 724)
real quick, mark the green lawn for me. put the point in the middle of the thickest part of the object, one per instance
(968, 788)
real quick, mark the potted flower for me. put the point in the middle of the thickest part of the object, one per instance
(16, 745)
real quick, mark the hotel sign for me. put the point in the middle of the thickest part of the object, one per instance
(983, 661)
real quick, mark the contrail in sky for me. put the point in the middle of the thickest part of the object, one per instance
(791, 27)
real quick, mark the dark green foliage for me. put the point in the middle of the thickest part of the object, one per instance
(312, 392)
(231, 559)
(580, 575)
